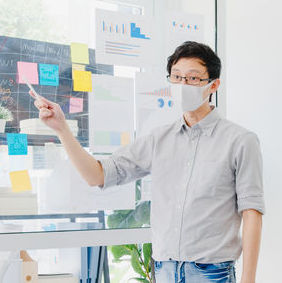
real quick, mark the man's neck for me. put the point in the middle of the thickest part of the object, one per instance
(193, 117)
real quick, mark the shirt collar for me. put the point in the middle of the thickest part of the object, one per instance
(206, 125)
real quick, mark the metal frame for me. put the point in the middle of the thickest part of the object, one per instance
(221, 51)
(70, 239)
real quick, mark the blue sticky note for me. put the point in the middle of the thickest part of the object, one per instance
(17, 144)
(115, 138)
(49, 74)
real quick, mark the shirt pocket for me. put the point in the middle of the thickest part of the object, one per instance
(210, 177)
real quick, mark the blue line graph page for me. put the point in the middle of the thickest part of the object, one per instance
(180, 27)
(124, 40)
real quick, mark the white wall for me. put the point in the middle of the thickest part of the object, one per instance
(254, 100)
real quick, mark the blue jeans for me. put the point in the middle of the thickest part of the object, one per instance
(192, 272)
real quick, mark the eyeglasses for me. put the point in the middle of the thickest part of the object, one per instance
(190, 80)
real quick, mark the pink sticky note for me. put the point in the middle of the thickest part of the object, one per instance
(29, 71)
(76, 104)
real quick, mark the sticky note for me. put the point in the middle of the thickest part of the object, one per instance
(76, 104)
(49, 74)
(125, 138)
(102, 138)
(29, 71)
(17, 144)
(79, 53)
(82, 81)
(20, 181)
(115, 138)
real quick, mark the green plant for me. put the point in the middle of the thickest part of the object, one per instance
(140, 255)
(5, 114)
(140, 258)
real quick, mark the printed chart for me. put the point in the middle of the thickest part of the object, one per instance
(124, 40)
(111, 110)
(182, 27)
(155, 104)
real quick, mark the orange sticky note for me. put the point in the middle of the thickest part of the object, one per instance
(125, 138)
(82, 80)
(20, 181)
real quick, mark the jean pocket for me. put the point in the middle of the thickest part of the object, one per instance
(214, 267)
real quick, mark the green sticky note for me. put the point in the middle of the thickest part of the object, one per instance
(79, 53)
(102, 138)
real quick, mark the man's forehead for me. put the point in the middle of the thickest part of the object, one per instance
(194, 65)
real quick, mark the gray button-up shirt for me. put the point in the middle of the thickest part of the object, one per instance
(203, 177)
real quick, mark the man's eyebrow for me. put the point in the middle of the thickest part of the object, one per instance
(192, 70)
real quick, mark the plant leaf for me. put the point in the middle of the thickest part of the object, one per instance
(120, 251)
(131, 247)
(147, 253)
(130, 218)
(136, 263)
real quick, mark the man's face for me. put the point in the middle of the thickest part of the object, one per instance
(193, 70)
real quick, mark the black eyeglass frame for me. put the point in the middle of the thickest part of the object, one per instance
(201, 80)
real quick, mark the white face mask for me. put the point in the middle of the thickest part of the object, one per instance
(191, 96)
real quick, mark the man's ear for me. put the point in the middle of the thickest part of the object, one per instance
(215, 85)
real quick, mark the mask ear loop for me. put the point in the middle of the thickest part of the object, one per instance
(210, 95)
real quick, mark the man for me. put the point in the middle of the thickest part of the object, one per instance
(206, 176)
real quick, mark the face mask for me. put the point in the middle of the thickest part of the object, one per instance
(191, 96)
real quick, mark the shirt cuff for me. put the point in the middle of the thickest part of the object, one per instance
(110, 173)
(251, 202)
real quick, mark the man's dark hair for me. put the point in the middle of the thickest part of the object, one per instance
(192, 49)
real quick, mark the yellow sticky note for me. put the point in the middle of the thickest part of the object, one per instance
(79, 53)
(20, 181)
(82, 80)
(125, 138)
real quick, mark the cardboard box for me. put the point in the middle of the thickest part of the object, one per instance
(30, 272)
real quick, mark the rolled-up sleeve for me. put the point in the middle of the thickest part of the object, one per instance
(249, 179)
(129, 163)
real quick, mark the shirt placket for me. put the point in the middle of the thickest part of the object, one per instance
(193, 139)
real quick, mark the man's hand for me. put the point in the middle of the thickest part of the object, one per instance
(50, 113)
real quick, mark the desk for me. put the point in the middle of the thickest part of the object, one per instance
(65, 234)
(68, 239)
(70, 235)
